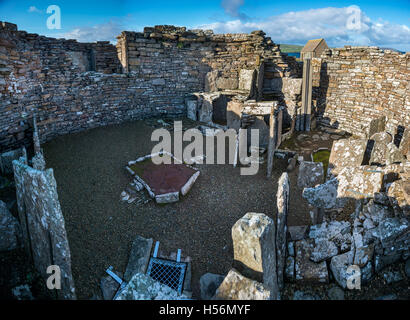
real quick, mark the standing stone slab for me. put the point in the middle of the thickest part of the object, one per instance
(376, 125)
(378, 154)
(139, 257)
(237, 287)
(346, 152)
(191, 106)
(10, 232)
(37, 194)
(282, 203)
(306, 270)
(404, 146)
(310, 174)
(254, 247)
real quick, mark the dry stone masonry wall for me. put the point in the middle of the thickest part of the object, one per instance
(354, 85)
(73, 86)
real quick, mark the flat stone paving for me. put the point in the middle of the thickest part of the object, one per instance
(90, 171)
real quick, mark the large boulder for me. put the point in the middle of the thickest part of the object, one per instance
(351, 183)
(10, 232)
(346, 152)
(237, 287)
(254, 247)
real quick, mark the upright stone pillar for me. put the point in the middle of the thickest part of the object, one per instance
(255, 251)
(282, 204)
(272, 142)
(307, 94)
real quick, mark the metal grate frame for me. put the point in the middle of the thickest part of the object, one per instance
(170, 273)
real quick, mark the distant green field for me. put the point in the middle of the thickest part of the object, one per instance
(285, 48)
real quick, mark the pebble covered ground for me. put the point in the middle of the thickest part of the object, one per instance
(90, 171)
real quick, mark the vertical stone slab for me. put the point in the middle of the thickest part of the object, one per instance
(21, 207)
(139, 257)
(282, 205)
(44, 224)
(271, 145)
(254, 248)
(278, 127)
(306, 94)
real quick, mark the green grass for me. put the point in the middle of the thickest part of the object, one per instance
(322, 156)
(285, 48)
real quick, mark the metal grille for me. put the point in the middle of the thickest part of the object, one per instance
(170, 273)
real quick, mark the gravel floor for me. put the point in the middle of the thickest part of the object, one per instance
(90, 174)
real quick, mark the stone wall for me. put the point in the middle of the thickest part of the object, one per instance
(353, 85)
(73, 86)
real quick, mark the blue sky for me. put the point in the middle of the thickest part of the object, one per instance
(381, 23)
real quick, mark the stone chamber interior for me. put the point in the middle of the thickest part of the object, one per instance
(97, 105)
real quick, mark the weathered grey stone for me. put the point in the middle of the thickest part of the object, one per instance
(291, 248)
(290, 268)
(358, 183)
(209, 283)
(305, 269)
(323, 196)
(339, 265)
(378, 154)
(139, 257)
(367, 273)
(404, 146)
(392, 277)
(282, 203)
(254, 246)
(393, 154)
(338, 232)
(300, 295)
(298, 232)
(143, 287)
(310, 174)
(38, 205)
(210, 81)
(109, 286)
(346, 152)
(6, 160)
(323, 249)
(247, 80)
(377, 212)
(22, 292)
(376, 125)
(390, 230)
(191, 106)
(398, 194)
(407, 268)
(237, 287)
(335, 293)
(363, 255)
(167, 198)
(351, 183)
(10, 232)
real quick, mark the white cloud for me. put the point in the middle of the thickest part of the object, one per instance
(232, 7)
(34, 9)
(329, 23)
(101, 32)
